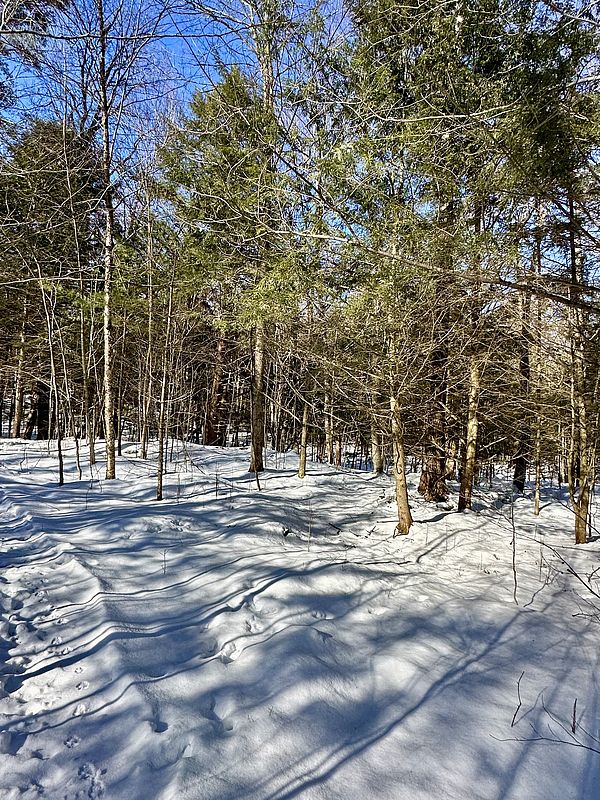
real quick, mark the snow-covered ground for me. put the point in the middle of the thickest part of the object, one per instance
(229, 643)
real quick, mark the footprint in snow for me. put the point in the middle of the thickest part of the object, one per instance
(11, 742)
(33, 789)
(82, 685)
(71, 741)
(93, 778)
(44, 612)
(219, 716)
(80, 710)
(377, 611)
(226, 725)
(251, 625)
(229, 653)
(168, 751)
(264, 610)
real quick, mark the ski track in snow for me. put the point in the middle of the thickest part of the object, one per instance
(228, 644)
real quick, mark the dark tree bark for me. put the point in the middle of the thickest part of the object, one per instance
(432, 484)
(520, 458)
(433, 477)
(405, 519)
(215, 425)
(258, 400)
(39, 413)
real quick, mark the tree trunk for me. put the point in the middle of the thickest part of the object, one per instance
(162, 416)
(303, 441)
(520, 458)
(39, 414)
(538, 469)
(581, 466)
(43, 410)
(470, 450)
(328, 420)
(537, 267)
(19, 387)
(49, 303)
(404, 516)
(109, 244)
(433, 477)
(257, 400)
(214, 427)
(376, 449)
(582, 507)
(338, 451)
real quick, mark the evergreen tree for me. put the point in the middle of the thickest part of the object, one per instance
(234, 207)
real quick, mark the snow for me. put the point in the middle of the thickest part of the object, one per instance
(229, 643)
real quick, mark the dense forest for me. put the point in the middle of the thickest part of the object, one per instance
(365, 231)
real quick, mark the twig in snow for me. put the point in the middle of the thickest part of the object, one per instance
(514, 550)
(514, 719)
(550, 740)
(572, 571)
(553, 738)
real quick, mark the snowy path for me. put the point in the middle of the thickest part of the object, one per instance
(189, 649)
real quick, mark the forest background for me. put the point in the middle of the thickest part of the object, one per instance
(365, 230)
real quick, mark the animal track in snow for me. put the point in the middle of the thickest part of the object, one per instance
(263, 609)
(11, 742)
(229, 653)
(71, 742)
(218, 712)
(93, 777)
(44, 612)
(206, 649)
(377, 611)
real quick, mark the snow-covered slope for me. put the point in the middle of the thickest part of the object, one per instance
(229, 643)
